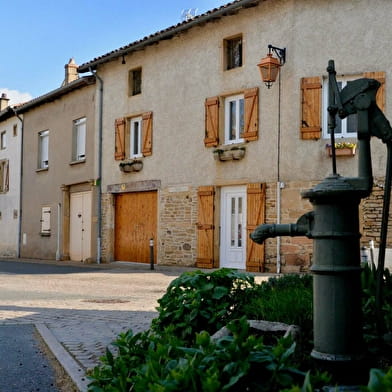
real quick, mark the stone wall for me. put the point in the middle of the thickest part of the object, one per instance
(107, 240)
(371, 216)
(295, 252)
(177, 226)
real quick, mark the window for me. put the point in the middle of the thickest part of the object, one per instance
(133, 136)
(241, 118)
(45, 221)
(314, 123)
(3, 140)
(135, 140)
(135, 81)
(233, 52)
(4, 176)
(79, 140)
(43, 150)
(234, 119)
(346, 127)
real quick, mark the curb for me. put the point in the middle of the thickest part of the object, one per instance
(74, 370)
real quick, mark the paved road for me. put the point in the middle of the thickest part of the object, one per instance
(83, 307)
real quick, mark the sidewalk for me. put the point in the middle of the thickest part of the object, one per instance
(79, 309)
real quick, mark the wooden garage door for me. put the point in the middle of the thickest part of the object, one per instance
(135, 225)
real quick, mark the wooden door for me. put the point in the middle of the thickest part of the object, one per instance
(135, 225)
(80, 226)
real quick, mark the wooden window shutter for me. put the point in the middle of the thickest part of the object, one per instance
(211, 122)
(205, 227)
(311, 108)
(119, 146)
(255, 216)
(147, 134)
(251, 97)
(380, 98)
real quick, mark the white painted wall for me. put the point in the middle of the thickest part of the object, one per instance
(9, 201)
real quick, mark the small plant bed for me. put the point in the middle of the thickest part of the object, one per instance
(178, 353)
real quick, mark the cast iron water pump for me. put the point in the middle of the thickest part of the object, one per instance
(334, 227)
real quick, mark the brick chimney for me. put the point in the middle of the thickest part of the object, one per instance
(71, 72)
(3, 101)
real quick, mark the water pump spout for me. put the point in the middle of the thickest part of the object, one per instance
(303, 227)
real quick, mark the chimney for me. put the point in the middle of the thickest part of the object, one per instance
(71, 72)
(3, 101)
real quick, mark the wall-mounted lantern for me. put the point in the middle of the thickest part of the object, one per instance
(269, 66)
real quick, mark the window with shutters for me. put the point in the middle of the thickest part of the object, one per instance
(43, 150)
(79, 140)
(4, 176)
(133, 136)
(45, 221)
(232, 119)
(314, 119)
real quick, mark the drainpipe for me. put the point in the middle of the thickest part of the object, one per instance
(99, 179)
(20, 182)
(58, 254)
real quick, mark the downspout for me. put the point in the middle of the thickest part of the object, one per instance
(279, 186)
(20, 183)
(58, 254)
(99, 179)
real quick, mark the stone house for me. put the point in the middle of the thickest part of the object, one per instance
(197, 151)
(10, 158)
(59, 198)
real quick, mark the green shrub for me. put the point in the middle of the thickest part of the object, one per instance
(198, 301)
(152, 363)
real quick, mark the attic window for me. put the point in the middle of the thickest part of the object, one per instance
(233, 52)
(135, 81)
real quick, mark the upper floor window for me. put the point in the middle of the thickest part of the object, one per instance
(346, 127)
(3, 140)
(135, 140)
(234, 119)
(4, 175)
(79, 140)
(43, 150)
(233, 52)
(135, 81)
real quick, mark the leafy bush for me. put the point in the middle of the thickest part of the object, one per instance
(152, 363)
(198, 301)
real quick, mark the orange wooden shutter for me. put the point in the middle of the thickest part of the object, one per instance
(251, 97)
(211, 122)
(255, 216)
(311, 108)
(205, 227)
(380, 98)
(119, 147)
(147, 134)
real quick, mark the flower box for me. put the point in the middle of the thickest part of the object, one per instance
(342, 150)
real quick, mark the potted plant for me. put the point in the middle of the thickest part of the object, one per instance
(342, 149)
(217, 153)
(238, 152)
(131, 166)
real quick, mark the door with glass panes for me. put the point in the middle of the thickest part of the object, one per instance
(233, 227)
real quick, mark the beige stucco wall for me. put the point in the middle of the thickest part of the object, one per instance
(45, 187)
(180, 73)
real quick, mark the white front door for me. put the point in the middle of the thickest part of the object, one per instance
(80, 226)
(233, 227)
